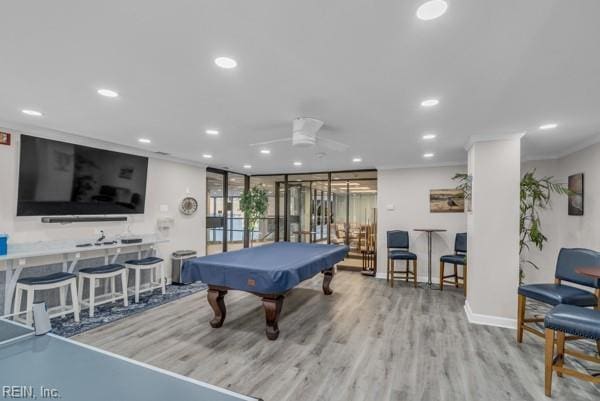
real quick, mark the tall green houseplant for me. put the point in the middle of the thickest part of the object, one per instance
(254, 204)
(535, 196)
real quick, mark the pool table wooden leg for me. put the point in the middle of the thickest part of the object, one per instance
(216, 299)
(272, 310)
(327, 277)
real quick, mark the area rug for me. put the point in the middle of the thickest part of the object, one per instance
(111, 312)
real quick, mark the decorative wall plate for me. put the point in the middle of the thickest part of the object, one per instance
(188, 205)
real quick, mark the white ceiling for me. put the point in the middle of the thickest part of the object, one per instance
(498, 67)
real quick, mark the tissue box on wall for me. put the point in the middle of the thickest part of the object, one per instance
(3, 244)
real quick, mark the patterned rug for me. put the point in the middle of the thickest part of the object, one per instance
(112, 312)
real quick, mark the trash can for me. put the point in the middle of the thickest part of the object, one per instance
(177, 260)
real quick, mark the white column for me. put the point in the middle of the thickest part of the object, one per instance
(493, 230)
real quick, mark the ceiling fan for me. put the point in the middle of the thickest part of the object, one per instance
(304, 134)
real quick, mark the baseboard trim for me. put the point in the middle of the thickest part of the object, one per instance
(488, 320)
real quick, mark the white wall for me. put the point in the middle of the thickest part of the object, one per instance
(408, 191)
(561, 229)
(167, 184)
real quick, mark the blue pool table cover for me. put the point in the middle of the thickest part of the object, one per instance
(267, 269)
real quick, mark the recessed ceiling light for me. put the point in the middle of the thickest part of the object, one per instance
(548, 126)
(107, 93)
(207, 156)
(265, 151)
(357, 160)
(428, 155)
(247, 166)
(144, 140)
(31, 112)
(430, 102)
(212, 132)
(429, 137)
(226, 62)
(297, 163)
(432, 9)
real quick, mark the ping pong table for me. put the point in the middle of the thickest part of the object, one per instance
(53, 367)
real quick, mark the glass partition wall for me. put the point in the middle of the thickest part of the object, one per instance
(225, 224)
(338, 207)
(266, 230)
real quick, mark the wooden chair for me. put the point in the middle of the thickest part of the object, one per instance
(62, 281)
(459, 258)
(559, 293)
(102, 272)
(157, 275)
(398, 245)
(578, 322)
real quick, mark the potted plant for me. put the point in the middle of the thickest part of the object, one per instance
(254, 204)
(534, 197)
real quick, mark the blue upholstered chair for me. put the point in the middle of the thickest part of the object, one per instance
(459, 258)
(575, 321)
(398, 245)
(559, 293)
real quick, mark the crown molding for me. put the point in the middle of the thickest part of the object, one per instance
(411, 166)
(489, 138)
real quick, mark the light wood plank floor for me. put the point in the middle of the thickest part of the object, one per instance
(365, 342)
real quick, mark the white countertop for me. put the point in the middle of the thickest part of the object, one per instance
(49, 248)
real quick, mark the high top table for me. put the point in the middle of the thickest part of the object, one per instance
(429, 232)
(593, 271)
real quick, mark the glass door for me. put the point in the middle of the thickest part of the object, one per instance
(225, 223)
(235, 217)
(296, 212)
(215, 212)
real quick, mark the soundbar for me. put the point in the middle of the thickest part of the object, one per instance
(131, 240)
(67, 220)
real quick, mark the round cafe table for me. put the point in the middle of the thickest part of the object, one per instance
(429, 232)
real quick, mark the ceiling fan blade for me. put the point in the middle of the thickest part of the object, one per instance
(331, 144)
(271, 142)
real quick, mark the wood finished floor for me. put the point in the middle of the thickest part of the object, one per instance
(365, 342)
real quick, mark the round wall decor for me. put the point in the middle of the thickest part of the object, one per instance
(188, 205)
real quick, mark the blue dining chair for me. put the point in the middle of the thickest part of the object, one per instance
(558, 293)
(459, 258)
(398, 245)
(577, 322)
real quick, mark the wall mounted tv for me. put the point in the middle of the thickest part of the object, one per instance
(59, 178)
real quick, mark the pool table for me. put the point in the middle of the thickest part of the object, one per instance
(268, 271)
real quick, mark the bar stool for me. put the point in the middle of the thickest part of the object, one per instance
(155, 265)
(102, 272)
(398, 245)
(61, 281)
(459, 258)
(579, 323)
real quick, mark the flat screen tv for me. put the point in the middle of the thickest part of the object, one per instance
(59, 178)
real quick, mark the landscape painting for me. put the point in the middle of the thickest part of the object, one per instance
(576, 195)
(446, 201)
